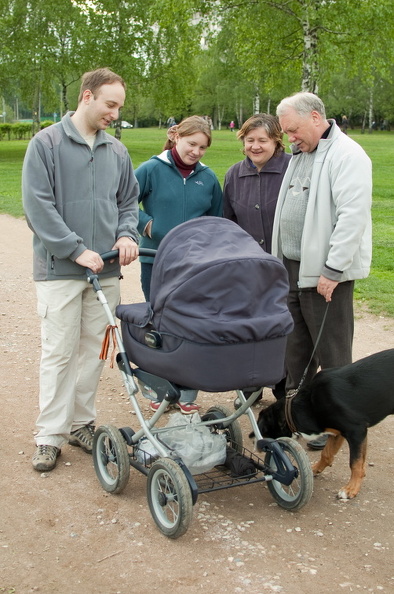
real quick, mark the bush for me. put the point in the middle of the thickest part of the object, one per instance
(21, 130)
(5, 130)
(45, 124)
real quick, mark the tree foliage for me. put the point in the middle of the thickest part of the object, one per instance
(226, 58)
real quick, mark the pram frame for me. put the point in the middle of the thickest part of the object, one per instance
(282, 471)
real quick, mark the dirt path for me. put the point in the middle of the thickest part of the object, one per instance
(62, 534)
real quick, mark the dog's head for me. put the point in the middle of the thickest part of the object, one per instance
(272, 421)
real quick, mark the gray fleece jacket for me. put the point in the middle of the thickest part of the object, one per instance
(76, 198)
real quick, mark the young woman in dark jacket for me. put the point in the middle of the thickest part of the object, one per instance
(176, 187)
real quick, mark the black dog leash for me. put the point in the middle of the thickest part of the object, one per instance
(289, 397)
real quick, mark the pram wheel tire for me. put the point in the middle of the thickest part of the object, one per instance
(233, 432)
(169, 497)
(299, 492)
(111, 458)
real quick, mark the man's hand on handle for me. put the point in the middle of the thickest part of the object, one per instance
(128, 250)
(92, 260)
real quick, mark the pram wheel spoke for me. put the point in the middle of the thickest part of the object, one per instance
(233, 432)
(299, 492)
(111, 458)
(169, 497)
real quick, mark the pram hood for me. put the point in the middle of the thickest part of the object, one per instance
(212, 283)
(218, 307)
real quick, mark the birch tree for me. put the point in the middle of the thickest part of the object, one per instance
(303, 41)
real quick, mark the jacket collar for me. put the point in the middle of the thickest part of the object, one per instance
(274, 165)
(166, 158)
(101, 136)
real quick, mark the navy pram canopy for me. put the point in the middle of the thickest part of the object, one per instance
(219, 303)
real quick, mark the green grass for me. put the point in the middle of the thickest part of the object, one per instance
(11, 158)
(376, 292)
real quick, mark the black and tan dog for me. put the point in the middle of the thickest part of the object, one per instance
(342, 402)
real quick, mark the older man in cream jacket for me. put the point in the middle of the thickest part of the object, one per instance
(322, 231)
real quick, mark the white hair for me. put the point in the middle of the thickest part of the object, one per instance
(303, 103)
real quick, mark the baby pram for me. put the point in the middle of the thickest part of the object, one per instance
(217, 321)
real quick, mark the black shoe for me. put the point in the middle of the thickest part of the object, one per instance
(318, 444)
(279, 390)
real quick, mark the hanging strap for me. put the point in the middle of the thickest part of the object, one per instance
(289, 397)
(314, 348)
(109, 332)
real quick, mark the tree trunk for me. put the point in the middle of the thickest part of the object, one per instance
(219, 117)
(310, 64)
(36, 111)
(256, 101)
(370, 111)
(363, 124)
(240, 113)
(118, 127)
(64, 97)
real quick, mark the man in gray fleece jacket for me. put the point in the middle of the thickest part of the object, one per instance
(80, 200)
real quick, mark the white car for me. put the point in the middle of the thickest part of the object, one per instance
(126, 125)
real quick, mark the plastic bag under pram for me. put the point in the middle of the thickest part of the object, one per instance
(218, 306)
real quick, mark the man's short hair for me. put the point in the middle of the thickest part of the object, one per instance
(303, 103)
(95, 79)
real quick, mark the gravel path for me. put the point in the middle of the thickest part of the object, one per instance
(61, 533)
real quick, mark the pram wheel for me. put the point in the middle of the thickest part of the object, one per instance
(169, 497)
(299, 492)
(111, 458)
(233, 432)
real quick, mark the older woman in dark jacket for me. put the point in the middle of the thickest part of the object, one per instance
(251, 186)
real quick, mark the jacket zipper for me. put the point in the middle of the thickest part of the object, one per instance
(93, 201)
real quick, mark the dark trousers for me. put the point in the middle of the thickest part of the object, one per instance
(146, 275)
(308, 308)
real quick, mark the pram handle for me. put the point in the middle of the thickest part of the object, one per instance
(113, 254)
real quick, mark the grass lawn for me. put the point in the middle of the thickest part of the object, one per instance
(376, 292)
